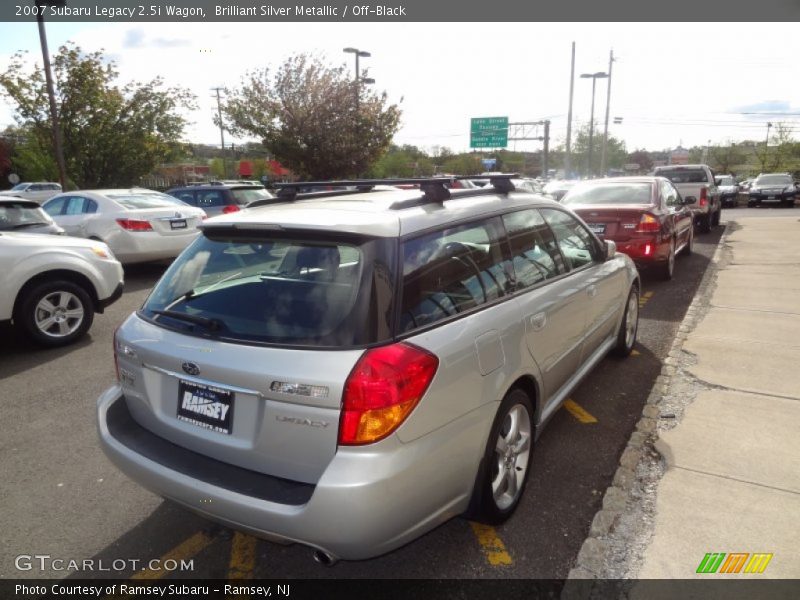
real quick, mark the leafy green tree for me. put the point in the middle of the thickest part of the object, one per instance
(616, 155)
(724, 158)
(641, 158)
(112, 134)
(316, 120)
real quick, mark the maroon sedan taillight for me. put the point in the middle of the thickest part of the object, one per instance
(648, 224)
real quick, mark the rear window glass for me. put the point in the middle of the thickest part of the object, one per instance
(774, 180)
(610, 193)
(725, 181)
(134, 201)
(18, 216)
(248, 195)
(683, 175)
(279, 291)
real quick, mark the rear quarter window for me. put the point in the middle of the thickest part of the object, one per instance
(451, 271)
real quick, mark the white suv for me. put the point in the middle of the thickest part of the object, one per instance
(52, 286)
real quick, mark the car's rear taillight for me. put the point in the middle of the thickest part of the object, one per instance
(648, 224)
(230, 208)
(703, 196)
(135, 225)
(382, 390)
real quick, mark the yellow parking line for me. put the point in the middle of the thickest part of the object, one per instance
(183, 551)
(635, 353)
(493, 547)
(243, 556)
(578, 412)
(644, 298)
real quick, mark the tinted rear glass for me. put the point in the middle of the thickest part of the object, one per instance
(774, 180)
(277, 290)
(610, 193)
(683, 175)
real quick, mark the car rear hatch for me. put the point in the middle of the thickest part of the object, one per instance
(242, 350)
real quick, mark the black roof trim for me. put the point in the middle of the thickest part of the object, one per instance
(434, 189)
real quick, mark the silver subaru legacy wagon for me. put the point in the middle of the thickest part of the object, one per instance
(351, 369)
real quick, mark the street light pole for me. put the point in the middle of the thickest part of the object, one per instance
(603, 165)
(57, 141)
(766, 145)
(358, 79)
(221, 134)
(594, 77)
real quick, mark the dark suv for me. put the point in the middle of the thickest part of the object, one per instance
(773, 188)
(220, 198)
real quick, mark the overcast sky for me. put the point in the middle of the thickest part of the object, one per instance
(672, 83)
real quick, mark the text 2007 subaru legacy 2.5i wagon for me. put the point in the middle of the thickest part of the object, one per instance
(349, 370)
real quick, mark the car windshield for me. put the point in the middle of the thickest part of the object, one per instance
(774, 180)
(19, 216)
(683, 175)
(274, 290)
(251, 194)
(20, 187)
(134, 200)
(610, 193)
(725, 181)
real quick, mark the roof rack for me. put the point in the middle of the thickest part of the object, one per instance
(434, 189)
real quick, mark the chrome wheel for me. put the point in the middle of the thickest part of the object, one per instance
(511, 453)
(631, 320)
(59, 314)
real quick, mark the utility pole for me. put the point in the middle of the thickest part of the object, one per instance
(221, 133)
(546, 148)
(568, 156)
(603, 167)
(58, 145)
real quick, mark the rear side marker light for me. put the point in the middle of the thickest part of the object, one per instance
(134, 225)
(230, 208)
(383, 388)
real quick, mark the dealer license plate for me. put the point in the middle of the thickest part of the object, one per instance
(205, 406)
(178, 224)
(598, 228)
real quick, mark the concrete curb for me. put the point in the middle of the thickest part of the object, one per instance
(595, 554)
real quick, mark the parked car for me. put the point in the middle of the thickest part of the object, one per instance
(348, 373)
(38, 192)
(728, 189)
(53, 285)
(773, 188)
(645, 216)
(696, 182)
(220, 198)
(26, 215)
(139, 225)
(558, 187)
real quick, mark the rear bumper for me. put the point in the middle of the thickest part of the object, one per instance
(644, 252)
(148, 246)
(366, 503)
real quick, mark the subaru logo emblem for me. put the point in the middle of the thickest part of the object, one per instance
(191, 368)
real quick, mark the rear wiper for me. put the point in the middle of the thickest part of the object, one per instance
(210, 324)
(30, 224)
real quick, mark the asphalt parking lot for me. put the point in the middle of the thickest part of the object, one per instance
(63, 498)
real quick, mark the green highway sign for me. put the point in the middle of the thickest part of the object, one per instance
(488, 132)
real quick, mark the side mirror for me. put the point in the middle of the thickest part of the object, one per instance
(611, 249)
(689, 200)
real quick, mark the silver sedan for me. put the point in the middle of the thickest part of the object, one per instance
(139, 225)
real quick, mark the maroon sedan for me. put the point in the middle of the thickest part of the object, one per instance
(645, 216)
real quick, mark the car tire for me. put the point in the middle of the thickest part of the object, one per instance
(667, 268)
(717, 216)
(751, 203)
(629, 327)
(55, 313)
(506, 463)
(689, 247)
(705, 223)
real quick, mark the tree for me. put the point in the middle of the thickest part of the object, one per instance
(316, 120)
(641, 158)
(723, 158)
(616, 155)
(112, 135)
